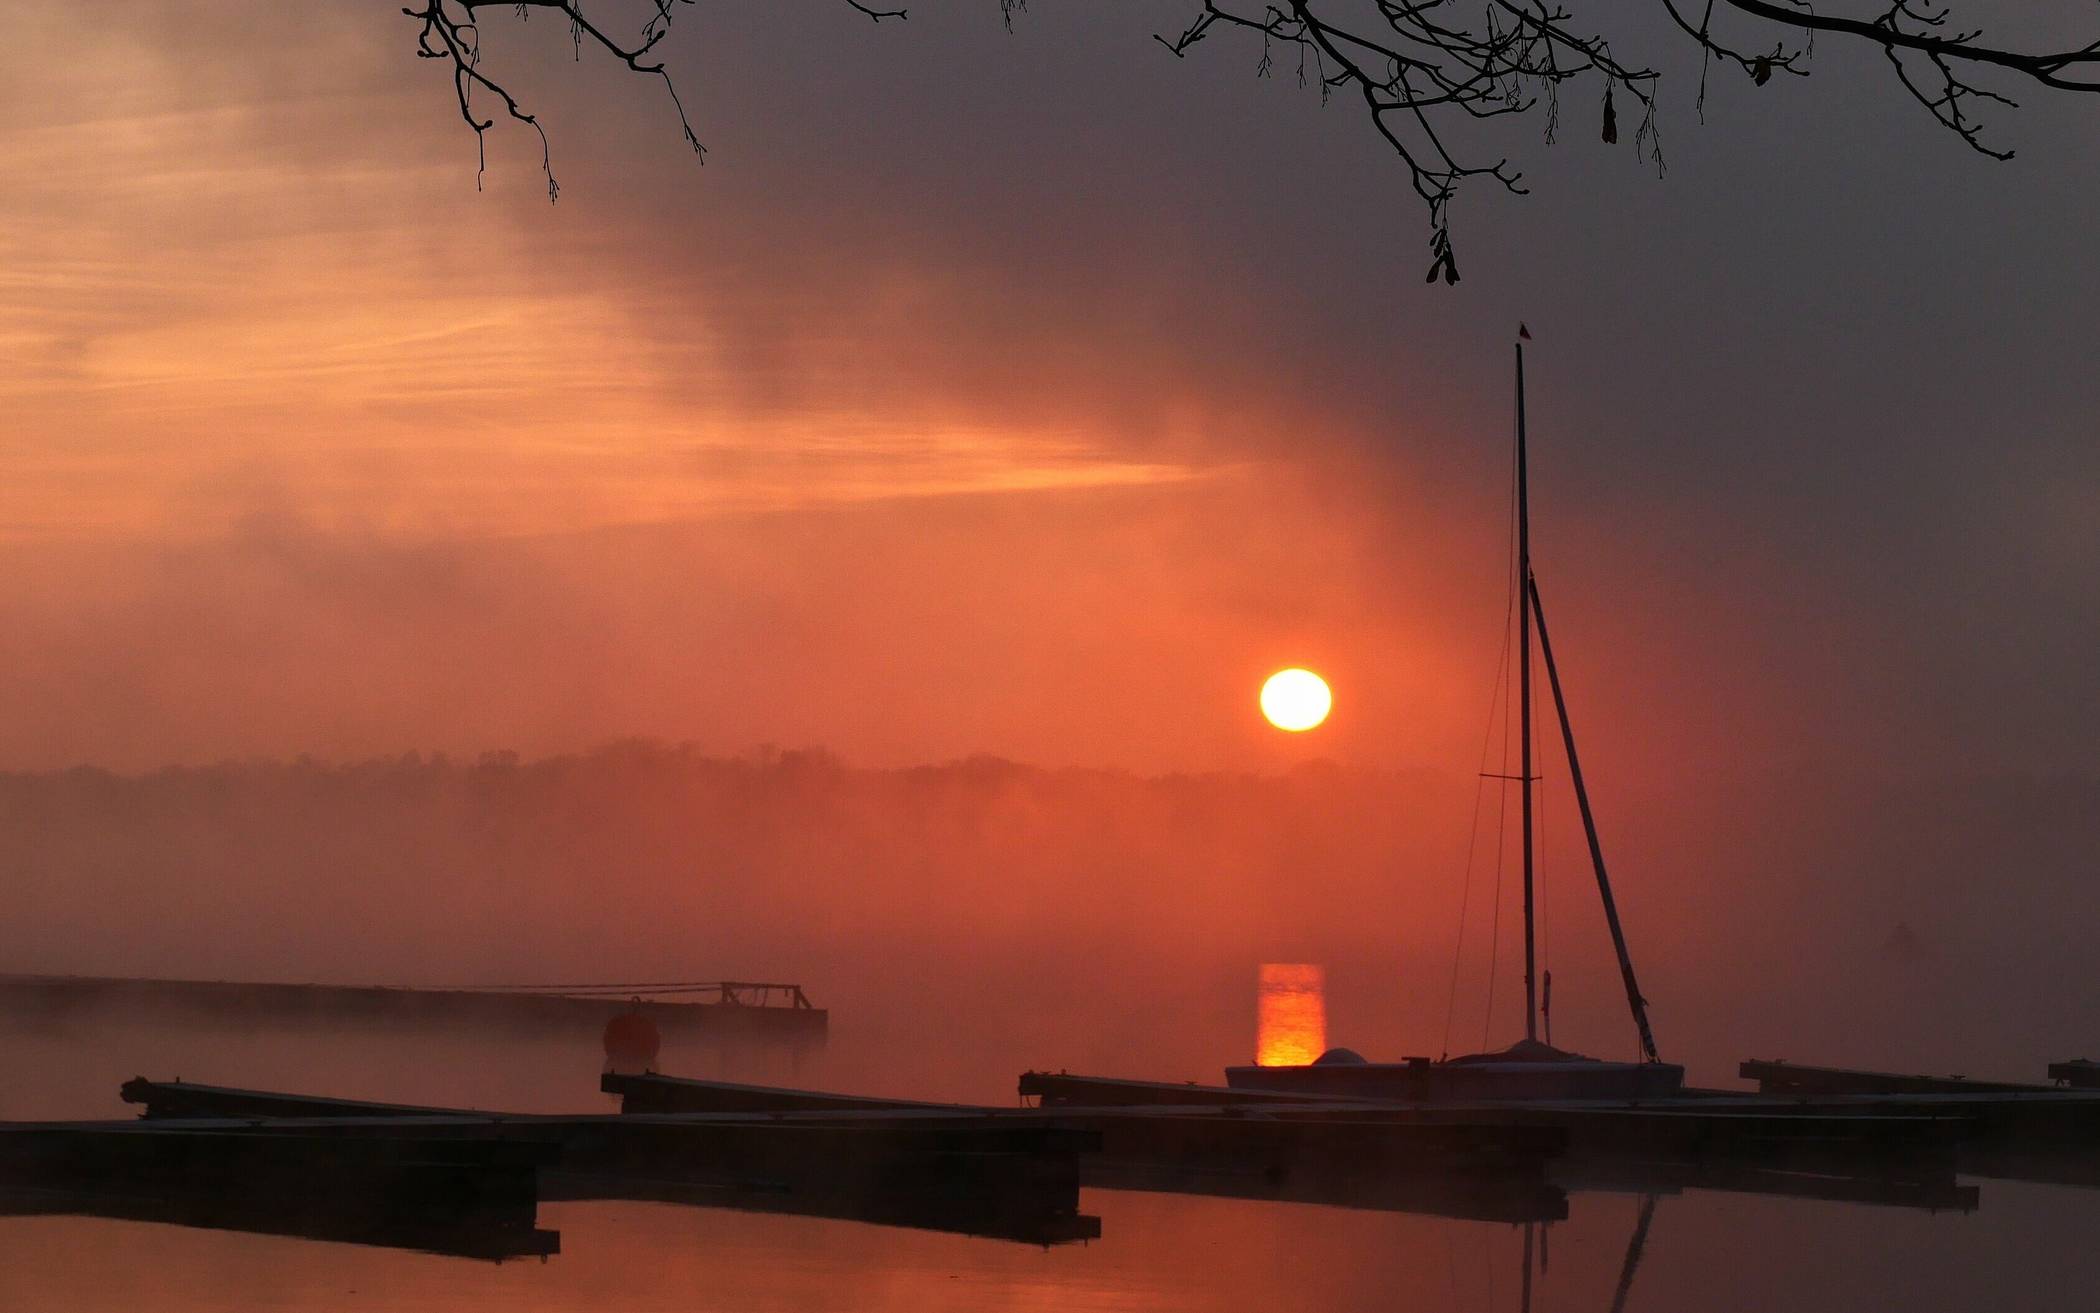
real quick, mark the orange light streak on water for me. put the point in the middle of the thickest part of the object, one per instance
(1291, 1025)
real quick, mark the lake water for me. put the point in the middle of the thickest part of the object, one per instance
(2024, 1245)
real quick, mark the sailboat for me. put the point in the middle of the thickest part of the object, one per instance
(1530, 1068)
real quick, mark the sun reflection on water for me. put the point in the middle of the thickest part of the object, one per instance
(1291, 1026)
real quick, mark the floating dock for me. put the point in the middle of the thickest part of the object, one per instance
(1013, 1178)
(1681, 1130)
(1011, 1172)
(2000, 1122)
(430, 1192)
(654, 1093)
(1016, 1173)
(1360, 1137)
(1789, 1078)
(1485, 1163)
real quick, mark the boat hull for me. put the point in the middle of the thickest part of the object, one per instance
(1421, 1081)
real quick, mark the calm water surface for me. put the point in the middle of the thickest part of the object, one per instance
(2025, 1246)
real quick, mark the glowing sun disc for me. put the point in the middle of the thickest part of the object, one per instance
(1296, 700)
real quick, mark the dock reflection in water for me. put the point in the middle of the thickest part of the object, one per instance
(490, 1235)
(1159, 1251)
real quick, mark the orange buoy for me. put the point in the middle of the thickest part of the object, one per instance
(631, 1042)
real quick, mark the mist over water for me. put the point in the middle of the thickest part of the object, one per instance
(966, 921)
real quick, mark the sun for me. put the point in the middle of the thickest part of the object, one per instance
(1296, 700)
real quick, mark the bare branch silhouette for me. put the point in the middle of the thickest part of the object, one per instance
(451, 30)
(1420, 68)
(1419, 77)
(1423, 69)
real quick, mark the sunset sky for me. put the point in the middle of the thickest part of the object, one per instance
(1030, 394)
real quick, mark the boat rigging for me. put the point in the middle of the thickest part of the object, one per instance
(1531, 1068)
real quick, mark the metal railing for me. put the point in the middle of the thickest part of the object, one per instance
(733, 993)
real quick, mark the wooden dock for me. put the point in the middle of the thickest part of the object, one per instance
(1016, 1172)
(429, 1192)
(654, 1093)
(1682, 1129)
(1356, 1136)
(1467, 1172)
(178, 1100)
(1013, 1178)
(726, 1010)
(1489, 1163)
(1011, 1172)
(1706, 1141)
(1789, 1078)
(2000, 1122)
(1018, 1182)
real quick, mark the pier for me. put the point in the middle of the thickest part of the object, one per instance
(1793, 1078)
(1012, 1178)
(467, 1181)
(726, 1009)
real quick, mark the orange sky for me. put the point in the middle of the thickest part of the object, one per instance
(913, 424)
(300, 415)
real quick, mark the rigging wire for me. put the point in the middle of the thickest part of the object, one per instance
(1465, 898)
(1503, 692)
(1487, 1023)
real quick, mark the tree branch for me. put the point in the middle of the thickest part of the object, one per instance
(1420, 69)
(451, 30)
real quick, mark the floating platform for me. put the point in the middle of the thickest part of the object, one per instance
(1482, 1171)
(1486, 1163)
(1013, 1178)
(1185, 1136)
(1778, 1077)
(1015, 1173)
(301, 1178)
(654, 1093)
(1007, 1172)
(177, 1100)
(1703, 1141)
(1686, 1129)
(2000, 1122)
(725, 1009)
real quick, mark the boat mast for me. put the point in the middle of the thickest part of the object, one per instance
(1531, 997)
(1530, 609)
